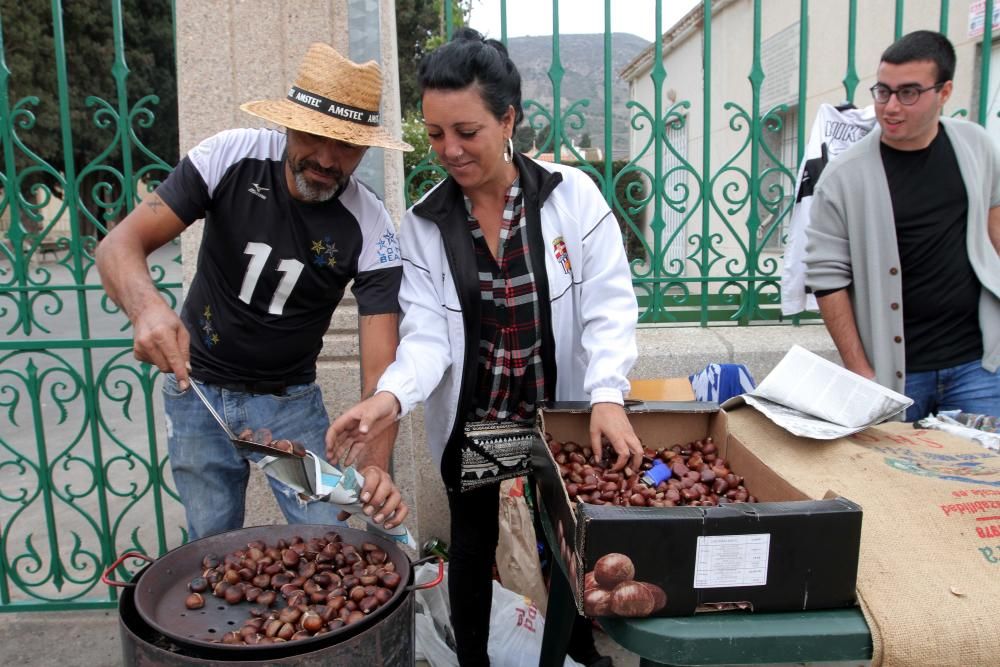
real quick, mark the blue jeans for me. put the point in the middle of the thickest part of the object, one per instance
(967, 387)
(211, 474)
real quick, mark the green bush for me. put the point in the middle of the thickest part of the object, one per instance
(421, 171)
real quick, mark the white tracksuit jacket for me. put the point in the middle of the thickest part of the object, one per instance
(584, 289)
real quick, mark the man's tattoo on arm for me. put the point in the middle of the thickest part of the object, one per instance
(154, 203)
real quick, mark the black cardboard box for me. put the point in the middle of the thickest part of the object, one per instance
(784, 553)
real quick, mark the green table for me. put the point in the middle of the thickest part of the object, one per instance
(711, 638)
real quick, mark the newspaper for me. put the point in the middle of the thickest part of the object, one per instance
(317, 480)
(814, 398)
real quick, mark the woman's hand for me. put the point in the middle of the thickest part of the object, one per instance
(608, 420)
(354, 429)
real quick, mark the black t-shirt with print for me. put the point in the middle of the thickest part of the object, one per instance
(940, 287)
(271, 268)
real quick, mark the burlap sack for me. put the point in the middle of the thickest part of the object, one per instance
(929, 572)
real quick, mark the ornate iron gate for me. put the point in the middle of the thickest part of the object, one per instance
(82, 474)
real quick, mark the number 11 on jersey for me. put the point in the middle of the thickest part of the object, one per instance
(292, 268)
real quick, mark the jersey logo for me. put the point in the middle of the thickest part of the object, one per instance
(562, 255)
(209, 336)
(257, 191)
(324, 253)
(388, 248)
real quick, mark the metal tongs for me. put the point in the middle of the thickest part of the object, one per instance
(239, 442)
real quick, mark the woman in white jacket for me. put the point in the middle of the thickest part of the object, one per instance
(516, 290)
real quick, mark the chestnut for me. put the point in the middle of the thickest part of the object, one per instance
(289, 615)
(232, 638)
(632, 599)
(597, 602)
(659, 597)
(272, 628)
(286, 631)
(311, 621)
(194, 601)
(290, 558)
(233, 595)
(612, 569)
(368, 604)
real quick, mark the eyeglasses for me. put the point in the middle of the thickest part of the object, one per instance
(906, 95)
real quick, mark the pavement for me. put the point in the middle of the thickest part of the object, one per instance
(60, 639)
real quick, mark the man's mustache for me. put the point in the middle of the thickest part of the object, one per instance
(330, 172)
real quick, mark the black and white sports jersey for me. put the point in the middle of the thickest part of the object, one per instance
(271, 268)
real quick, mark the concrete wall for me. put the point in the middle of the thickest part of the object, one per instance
(232, 51)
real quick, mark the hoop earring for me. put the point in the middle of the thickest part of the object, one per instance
(508, 151)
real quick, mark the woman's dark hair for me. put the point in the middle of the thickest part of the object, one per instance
(469, 59)
(923, 45)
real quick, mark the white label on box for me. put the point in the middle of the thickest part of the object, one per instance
(724, 561)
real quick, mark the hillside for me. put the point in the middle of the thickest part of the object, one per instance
(582, 58)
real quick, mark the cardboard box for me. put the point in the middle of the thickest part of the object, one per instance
(661, 389)
(786, 552)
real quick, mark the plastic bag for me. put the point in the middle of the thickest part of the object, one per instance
(517, 550)
(516, 627)
(434, 637)
(945, 422)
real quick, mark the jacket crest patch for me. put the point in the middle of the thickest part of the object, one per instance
(562, 255)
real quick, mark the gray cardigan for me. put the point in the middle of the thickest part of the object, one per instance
(851, 240)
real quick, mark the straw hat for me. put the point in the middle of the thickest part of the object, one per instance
(332, 97)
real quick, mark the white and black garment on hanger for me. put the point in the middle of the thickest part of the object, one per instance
(835, 129)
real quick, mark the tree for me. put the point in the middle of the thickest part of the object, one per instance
(542, 138)
(524, 138)
(30, 55)
(419, 30)
(585, 140)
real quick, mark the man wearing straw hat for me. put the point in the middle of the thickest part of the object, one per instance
(287, 227)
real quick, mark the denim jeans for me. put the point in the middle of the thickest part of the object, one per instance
(211, 474)
(967, 387)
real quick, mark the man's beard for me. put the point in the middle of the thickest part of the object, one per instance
(310, 191)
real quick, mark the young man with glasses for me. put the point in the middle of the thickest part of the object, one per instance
(902, 247)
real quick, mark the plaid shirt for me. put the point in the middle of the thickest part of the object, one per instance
(509, 377)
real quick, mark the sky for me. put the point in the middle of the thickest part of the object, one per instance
(534, 17)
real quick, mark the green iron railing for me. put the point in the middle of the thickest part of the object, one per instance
(83, 476)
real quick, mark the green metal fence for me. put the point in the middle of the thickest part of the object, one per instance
(83, 473)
